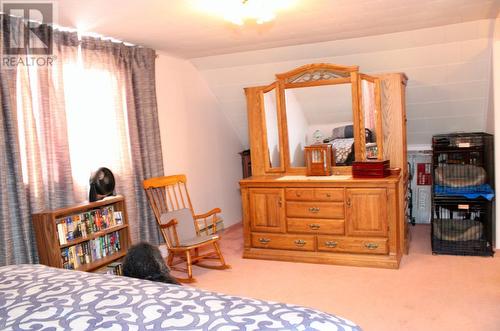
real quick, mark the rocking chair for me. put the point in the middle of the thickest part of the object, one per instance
(184, 232)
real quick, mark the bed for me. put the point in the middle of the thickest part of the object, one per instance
(36, 297)
(466, 180)
(342, 140)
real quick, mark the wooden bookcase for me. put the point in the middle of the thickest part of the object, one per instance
(51, 246)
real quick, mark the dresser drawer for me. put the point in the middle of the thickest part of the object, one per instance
(353, 245)
(314, 225)
(315, 194)
(315, 209)
(300, 194)
(329, 194)
(284, 241)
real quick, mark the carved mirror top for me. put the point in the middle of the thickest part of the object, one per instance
(316, 72)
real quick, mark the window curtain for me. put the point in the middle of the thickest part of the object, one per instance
(95, 106)
(139, 143)
(16, 232)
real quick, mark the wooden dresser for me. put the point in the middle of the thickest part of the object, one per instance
(336, 219)
(308, 220)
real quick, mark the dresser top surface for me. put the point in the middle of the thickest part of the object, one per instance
(317, 180)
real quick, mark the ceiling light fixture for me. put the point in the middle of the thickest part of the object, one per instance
(240, 11)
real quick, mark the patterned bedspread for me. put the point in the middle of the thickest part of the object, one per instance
(36, 297)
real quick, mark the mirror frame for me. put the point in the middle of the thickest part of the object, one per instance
(257, 130)
(379, 134)
(309, 75)
(279, 120)
(319, 74)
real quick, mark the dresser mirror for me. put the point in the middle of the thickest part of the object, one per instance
(314, 115)
(316, 103)
(371, 113)
(273, 157)
(331, 104)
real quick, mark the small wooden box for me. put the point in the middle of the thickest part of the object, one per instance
(319, 159)
(371, 169)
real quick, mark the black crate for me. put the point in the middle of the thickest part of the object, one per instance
(461, 141)
(463, 159)
(461, 226)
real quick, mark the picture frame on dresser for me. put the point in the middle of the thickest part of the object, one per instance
(335, 219)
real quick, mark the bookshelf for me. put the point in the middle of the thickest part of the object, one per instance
(84, 237)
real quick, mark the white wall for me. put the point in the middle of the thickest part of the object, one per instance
(325, 129)
(273, 137)
(297, 129)
(496, 110)
(197, 138)
(448, 69)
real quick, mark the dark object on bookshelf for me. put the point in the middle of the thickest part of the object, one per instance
(371, 169)
(462, 217)
(144, 261)
(246, 163)
(102, 184)
(319, 159)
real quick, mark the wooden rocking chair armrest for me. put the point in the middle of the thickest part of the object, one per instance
(210, 213)
(172, 222)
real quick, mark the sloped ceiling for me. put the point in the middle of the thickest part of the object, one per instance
(449, 71)
(444, 46)
(178, 27)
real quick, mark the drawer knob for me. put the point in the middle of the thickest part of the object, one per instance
(300, 243)
(314, 226)
(314, 209)
(328, 195)
(331, 244)
(298, 194)
(371, 245)
(264, 240)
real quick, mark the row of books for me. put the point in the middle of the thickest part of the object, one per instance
(86, 252)
(115, 268)
(81, 225)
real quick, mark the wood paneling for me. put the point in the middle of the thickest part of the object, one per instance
(317, 194)
(323, 194)
(310, 225)
(284, 241)
(315, 209)
(353, 245)
(366, 212)
(267, 212)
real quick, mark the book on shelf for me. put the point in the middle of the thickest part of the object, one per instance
(118, 217)
(89, 251)
(115, 268)
(61, 233)
(84, 224)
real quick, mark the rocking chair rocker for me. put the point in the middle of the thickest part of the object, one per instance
(185, 233)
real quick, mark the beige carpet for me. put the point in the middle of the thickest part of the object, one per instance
(428, 292)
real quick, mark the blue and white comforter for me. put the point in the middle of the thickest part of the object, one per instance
(36, 297)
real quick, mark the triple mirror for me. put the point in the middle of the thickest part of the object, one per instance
(320, 103)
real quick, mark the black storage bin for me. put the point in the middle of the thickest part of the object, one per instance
(462, 227)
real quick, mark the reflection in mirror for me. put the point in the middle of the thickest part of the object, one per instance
(271, 115)
(320, 114)
(369, 114)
